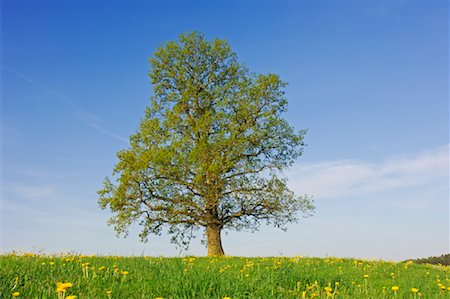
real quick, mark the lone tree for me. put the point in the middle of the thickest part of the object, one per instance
(209, 151)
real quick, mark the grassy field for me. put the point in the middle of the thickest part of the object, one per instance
(39, 276)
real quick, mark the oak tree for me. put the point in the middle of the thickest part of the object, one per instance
(210, 150)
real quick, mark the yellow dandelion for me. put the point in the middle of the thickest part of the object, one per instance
(415, 290)
(109, 294)
(226, 297)
(71, 297)
(61, 287)
(366, 276)
(66, 285)
(124, 272)
(101, 268)
(395, 288)
(328, 289)
(15, 294)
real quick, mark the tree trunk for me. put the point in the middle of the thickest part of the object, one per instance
(214, 241)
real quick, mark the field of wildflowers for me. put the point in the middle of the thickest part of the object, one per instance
(77, 276)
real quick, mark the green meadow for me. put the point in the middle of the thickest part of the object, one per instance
(68, 277)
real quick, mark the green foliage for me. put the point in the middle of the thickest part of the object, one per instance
(234, 277)
(435, 260)
(209, 151)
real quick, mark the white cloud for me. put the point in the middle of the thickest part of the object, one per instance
(30, 192)
(89, 119)
(340, 178)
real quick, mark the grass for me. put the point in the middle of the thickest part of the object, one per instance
(36, 276)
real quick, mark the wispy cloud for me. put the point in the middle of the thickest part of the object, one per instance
(92, 120)
(19, 74)
(29, 192)
(80, 174)
(89, 119)
(333, 179)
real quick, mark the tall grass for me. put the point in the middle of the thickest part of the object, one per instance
(36, 276)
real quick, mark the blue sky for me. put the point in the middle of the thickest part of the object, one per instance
(368, 79)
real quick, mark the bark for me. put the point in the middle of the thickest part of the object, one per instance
(214, 241)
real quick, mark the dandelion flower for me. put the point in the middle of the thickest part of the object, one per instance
(61, 287)
(415, 290)
(15, 294)
(64, 285)
(71, 297)
(366, 276)
(395, 288)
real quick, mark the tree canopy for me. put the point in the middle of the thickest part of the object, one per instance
(210, 150)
